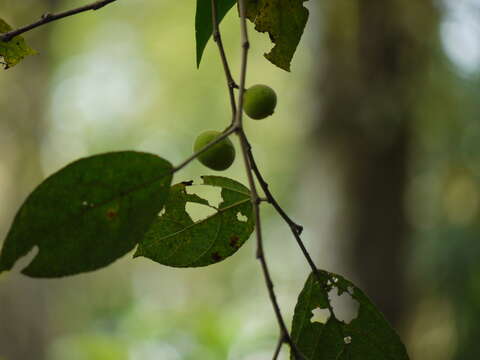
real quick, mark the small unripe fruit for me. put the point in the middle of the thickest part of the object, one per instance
(220, 156)
(259, 101)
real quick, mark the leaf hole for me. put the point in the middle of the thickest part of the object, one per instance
(212, 193)
(344, 306)
(198, 212)
(162, 211)
(320, 315)
(241, 217)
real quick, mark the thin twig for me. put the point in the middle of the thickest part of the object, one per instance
(47, 18)
(269, 197)
(243, 67)
(218, 39)
(295, 228)
(260, 251)
(255, 198)
(279, 347)
(224, 135)
(237, 126)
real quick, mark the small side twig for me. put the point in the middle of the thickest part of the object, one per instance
(295, 228)
(260, 250)
(48, 18)
(226, 68)
(278, 348)
(243, 67)
(269, 197)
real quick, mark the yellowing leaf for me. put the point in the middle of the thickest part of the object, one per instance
(13, 51)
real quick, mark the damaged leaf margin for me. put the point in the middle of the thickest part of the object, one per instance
(88, 214)
(368, 336)
(174, 239)
(284, 21)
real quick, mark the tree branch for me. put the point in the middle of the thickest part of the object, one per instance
(280, 342)
(47, 18)
(218, 39)
(269, 196)
(237, 126)
(243, 69)
(295, 228)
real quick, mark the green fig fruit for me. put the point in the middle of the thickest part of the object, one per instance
(259, 101)
(220, 156)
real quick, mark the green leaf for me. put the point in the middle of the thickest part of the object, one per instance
(13, 51)
(88, 214)
(284, 21)
(203, 22)
(368, 336)
(176, 240)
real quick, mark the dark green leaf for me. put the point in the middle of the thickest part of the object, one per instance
(284, 21)
(368, 336)
(12, 52)
(203, 22)
(176, 240)
(88, 214)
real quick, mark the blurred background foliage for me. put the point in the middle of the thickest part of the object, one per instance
(374, 148)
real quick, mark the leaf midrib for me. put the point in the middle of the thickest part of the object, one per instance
(219, 212)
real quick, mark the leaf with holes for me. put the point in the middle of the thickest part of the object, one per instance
(176, 240)
(203, 22)
(13, 51)
(368, 336)
(284, 21)
(88, 214)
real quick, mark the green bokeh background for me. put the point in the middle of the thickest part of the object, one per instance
(125, 77)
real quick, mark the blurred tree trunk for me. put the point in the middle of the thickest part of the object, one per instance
(23, 307)
(375, 54)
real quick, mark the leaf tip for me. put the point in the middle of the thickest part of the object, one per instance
(275, 61)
